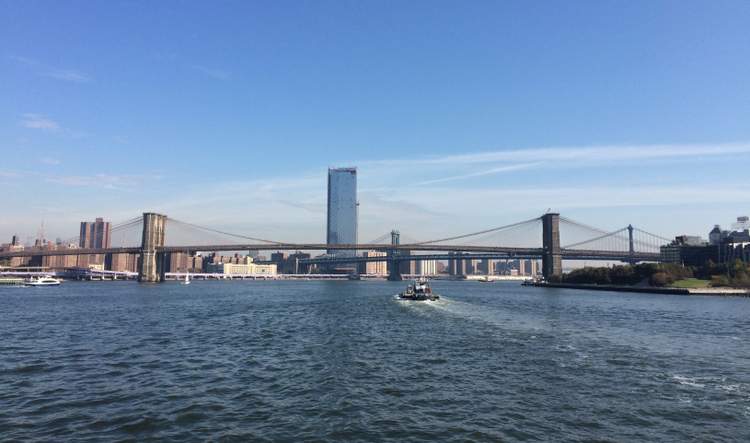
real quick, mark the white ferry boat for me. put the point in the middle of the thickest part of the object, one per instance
(45, 280)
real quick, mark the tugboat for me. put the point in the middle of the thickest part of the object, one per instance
(420, 290)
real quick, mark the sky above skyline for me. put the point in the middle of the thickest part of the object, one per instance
(459, 116)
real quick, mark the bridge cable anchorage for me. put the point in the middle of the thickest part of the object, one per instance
(473, 234)
(216, 231)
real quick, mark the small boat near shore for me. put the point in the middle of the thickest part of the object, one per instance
(420, 290)
(44, 280)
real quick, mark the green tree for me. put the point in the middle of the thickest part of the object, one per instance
(660, 279)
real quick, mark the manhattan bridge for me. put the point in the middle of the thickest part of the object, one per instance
(551, 237)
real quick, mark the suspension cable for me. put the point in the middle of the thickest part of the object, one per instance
(380, 239)
(458, 237)
(608, 234)
(581, 225)
(226, 233)
(652, 235)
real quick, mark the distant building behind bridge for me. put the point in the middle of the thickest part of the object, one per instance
(342, 212)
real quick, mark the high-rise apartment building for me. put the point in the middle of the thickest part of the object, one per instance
(97, 235)
(342, 208)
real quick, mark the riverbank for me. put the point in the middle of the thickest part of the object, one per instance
(648, 289)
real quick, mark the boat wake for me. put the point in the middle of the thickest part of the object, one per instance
(406, 301)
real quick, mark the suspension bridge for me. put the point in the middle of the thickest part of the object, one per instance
(551, 237)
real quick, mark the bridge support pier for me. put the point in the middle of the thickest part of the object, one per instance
(394, 274)
(551, 254)
(151, 268)
(394, 268)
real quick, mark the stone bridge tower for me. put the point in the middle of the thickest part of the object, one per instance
(151, 267)
(551, 254)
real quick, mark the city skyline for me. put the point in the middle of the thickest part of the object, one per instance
(526, 111)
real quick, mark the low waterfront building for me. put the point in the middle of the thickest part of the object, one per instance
(245, 267)
(689, 250)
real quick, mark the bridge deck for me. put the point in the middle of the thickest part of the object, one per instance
(438, 252)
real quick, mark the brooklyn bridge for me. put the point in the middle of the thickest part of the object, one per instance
(551, 237)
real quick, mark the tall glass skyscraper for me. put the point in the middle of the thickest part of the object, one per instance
(342, 208)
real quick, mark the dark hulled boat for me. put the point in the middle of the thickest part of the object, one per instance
(419, 290)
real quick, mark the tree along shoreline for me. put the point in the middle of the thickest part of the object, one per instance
(661, 275)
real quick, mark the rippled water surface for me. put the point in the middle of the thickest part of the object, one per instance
(346, 361)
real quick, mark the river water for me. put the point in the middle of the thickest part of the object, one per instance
(346, 361)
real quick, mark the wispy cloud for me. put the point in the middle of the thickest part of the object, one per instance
(435, 170)
(38, 121)
(123, 182)
(44, 70)
(217, 74)
(67, 75)
(44, 123)
(50, 161)
(490, 171)
(101, 181)
(586, 153)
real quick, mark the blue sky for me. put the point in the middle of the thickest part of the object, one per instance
(459, 115)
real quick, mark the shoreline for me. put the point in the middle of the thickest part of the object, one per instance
(737, 292)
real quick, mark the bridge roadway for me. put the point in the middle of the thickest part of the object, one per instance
(569, 255)
(490, 251)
